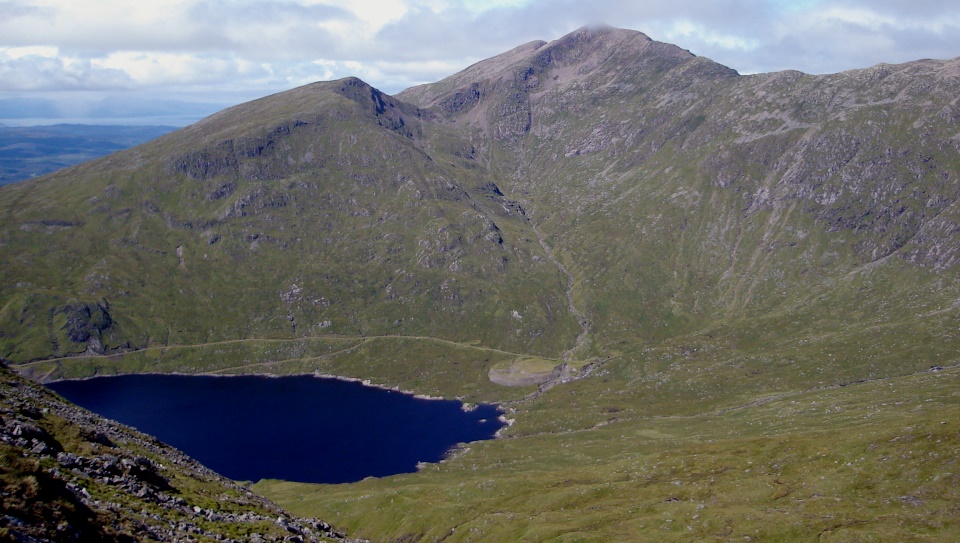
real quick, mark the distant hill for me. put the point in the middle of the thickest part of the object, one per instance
(28, 152)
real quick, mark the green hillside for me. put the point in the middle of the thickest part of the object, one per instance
(746, 286)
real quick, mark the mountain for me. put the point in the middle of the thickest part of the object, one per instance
(737, 294)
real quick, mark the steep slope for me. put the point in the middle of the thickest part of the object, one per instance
(321, 211)
(766, 268)
(683, 196)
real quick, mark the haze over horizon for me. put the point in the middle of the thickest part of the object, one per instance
(184, 59)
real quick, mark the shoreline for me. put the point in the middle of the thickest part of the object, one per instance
(465, 406)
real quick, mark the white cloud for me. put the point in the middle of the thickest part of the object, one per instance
(861, 16)
(41, 68)
(146, 68)
(684, 31)
(29, 51)
(373, 14)
(103, 25)
(479, 6)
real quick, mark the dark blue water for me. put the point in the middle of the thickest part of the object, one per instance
(301, 428)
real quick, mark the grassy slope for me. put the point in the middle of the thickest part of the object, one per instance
(329, 225)
(872, 461)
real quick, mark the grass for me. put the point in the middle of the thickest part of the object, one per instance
(441, 368)
(841, 464)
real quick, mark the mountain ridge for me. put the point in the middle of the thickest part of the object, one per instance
(254, 154)
(255, 151)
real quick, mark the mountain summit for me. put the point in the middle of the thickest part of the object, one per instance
(654, 257)
(590, 59)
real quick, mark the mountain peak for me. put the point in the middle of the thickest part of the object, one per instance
(592, 45)
(572, 57)
(604, 30)
(499, 96)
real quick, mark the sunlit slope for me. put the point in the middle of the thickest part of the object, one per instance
(321, 211)
(683, 197)
(872, 461)
(572, 200)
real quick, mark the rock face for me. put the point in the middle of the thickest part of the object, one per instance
(69, 475)
(86, 324)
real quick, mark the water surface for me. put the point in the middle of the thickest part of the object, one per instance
(300, 428)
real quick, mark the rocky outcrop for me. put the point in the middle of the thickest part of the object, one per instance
(87, 323)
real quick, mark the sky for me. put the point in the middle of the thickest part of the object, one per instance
(127, 58)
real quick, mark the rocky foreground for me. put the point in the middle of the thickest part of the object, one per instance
(69, 475)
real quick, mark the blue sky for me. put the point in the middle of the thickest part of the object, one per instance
(221, 52)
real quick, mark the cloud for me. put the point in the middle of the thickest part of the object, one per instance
(842, 36)
(179, 68)
(33, 72)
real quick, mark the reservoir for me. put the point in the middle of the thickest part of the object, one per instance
(298, 428)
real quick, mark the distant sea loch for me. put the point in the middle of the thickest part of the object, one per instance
(31, 151)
